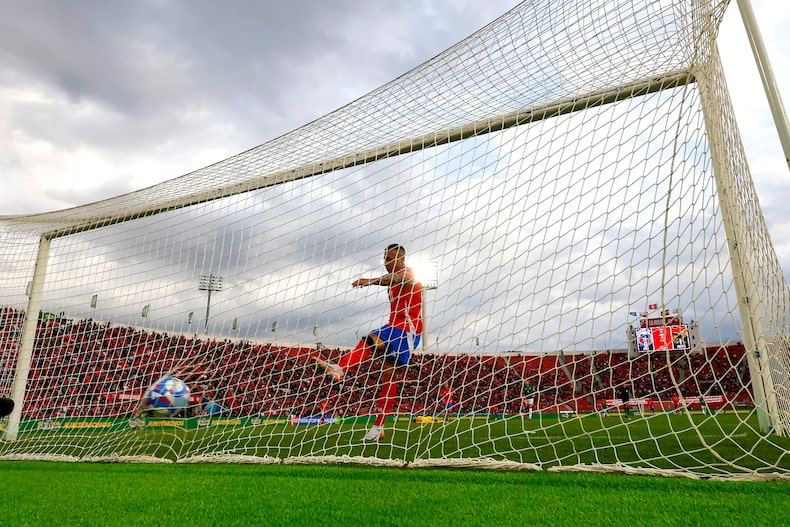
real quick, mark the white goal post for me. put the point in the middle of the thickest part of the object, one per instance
(575, 174)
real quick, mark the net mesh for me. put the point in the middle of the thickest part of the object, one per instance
(570, 188)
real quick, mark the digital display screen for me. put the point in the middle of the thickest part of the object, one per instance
(662, 338)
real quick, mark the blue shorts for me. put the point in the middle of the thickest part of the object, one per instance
(399, 343)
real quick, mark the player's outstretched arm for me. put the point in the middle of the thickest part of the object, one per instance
(385, 280)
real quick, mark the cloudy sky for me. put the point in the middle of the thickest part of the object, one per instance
(100, 98)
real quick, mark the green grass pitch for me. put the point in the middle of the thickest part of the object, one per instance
(46, 493)
(704, 444)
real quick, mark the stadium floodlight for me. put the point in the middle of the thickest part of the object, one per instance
(427, 273)
(209, 283)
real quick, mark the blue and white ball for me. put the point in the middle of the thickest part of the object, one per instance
(166, 397)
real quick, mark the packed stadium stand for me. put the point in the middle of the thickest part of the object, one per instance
(89, 368)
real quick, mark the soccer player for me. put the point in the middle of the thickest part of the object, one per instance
(324, 411)
(703, 404)
(396, 340)
(676, 404)
(446, 396)
(625, 396)
(528, 395)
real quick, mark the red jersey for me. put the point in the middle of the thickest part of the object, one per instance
(446, 394)
(406, 304)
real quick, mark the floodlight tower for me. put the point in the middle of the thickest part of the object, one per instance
(209, 283)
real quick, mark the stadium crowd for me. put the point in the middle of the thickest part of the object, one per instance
(89, 368)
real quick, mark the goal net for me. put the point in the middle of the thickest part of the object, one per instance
(599, 289)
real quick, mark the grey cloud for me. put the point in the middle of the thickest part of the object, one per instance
(267, 58)
(108, 187)
(162, 81)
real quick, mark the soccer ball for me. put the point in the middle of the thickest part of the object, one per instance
(166, 397)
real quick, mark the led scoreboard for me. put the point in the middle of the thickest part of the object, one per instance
(662, 333)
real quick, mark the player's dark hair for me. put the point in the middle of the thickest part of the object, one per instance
(396, 247)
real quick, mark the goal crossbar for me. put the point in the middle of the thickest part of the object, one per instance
(519, 117)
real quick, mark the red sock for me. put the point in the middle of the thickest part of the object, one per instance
(355, 356)
(389, 390)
